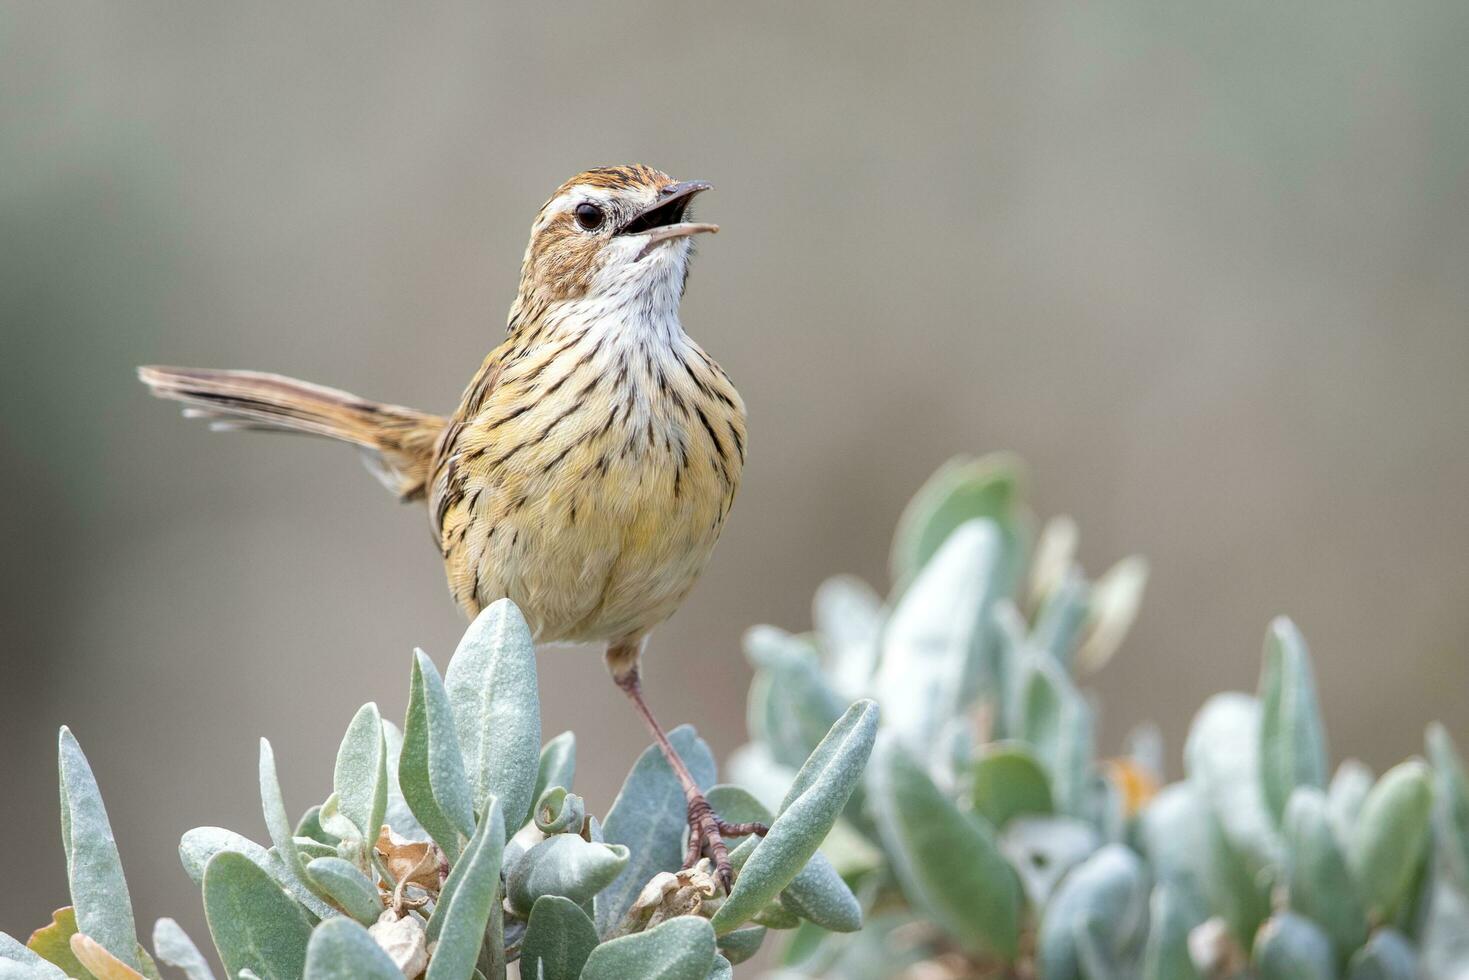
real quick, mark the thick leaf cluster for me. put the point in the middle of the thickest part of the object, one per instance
(455, 846)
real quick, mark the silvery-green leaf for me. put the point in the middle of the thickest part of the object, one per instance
(848, 616)
(776, 916)
(1240, 893)
(1043, 849)
(347, 887)
(1055, 555)
(1007, 782)
(1292, 741)
(310, 826)
(975, 900)
(255, 925)
(1008, 630)
(1451, 803)
(282, 833)
(1320, 886)
(518, 846)
(742, 943)
(1222, 756)
(1059, 621)
(649, 818)
(360, 777)
(1388, 955)
(1391, 838)
(721, 970)
(559, 937)
(790, 706)
(1170, 919)
(681, 948)
(469, 901)
(431, 768)
(818, 893)
(565, 865)
(399, 815)
(492, 690)
(99, 893)
(1173, 834)
(174, 947)
(310, 849)
(813, 803)
(1115, 599)
(200, 844)
(1345, 796)
(557, 766)
(1290, 947)
(1057, 721)
(933, 648)
(1444, 947)
(20, 963)
(1096, 919)
(341, 949)
(961, 490)
(559, 812)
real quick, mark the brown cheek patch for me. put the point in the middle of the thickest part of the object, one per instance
(563, 260)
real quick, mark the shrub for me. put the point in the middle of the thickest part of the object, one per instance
(456, 846)
(988, 839)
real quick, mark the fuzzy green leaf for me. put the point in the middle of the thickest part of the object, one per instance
(1345, 796)
(255, 925)
(792, 707)
(743, 943)
(961, 490)
(1043, 849)
(19, 962)
(341, 949)
(1321, 887)
(1007, 782)
(1222, 757)
(1451, 803)
(1097, 917)
(811, 806)
(1388, 955)
(1292, 740)
(470, 897)
(1391, 838)
(559, 937)
(431, 768)
(492, 689)
(1062, 615)
(1055, 719)
(848, 616)
(278, 823)
(1166, 956)
(1290, 947)
(174, 947)
(565, 865)
(649, 819)
(347, 888)
(360, 777)
(934, 645)
(976, 900)
(99, 892)
(200, 844)
(679, 949)
(557, 764)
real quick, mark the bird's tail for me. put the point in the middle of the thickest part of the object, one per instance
(397, 443)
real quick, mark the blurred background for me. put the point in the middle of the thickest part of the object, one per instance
(1205, 267)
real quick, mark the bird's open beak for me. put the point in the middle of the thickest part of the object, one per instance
(663, 220)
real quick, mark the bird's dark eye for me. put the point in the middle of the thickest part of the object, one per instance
(589, 216)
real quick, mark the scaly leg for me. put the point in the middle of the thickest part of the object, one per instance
(706, 830)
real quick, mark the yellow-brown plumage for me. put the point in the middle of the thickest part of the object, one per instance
(593, 458)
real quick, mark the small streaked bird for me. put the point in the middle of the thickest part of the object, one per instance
(594, 456)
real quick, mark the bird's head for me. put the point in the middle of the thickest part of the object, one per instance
(613, 233)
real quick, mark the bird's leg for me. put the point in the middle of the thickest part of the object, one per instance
(706, 830)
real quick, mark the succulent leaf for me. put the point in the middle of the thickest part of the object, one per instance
(1391, 838)
(1290, 947)
(961, 490)
(19, 962)
(1292, 739)
(1320, 886)
(557, 764)
(1451, 803)
(360, 776)
(559, 937)
(565, 865)
(469, 900)
(1388, 955)
(173, 946)
(255, 925)
(341, 949)
(431, 767)
(679, 949)
(347, 887)
(494, 696)
(1008, 782)
(1170, 920)
(848, 616)
(1096, 923)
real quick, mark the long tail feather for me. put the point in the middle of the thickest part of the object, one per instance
(397, 442)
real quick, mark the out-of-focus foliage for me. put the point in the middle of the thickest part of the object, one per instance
(988, 837)
(455, 846)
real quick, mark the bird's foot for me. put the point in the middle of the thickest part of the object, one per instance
(706, 836)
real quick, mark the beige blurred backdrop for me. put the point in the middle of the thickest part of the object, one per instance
(1205, 267)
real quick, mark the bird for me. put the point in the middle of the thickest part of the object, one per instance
(594, 456)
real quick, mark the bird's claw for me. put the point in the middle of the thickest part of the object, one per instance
(707, 833)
